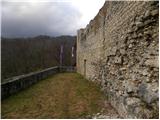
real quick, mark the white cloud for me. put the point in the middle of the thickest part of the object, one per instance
(52, 17)
(88, 8)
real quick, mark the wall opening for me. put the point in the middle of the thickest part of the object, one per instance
(85, 67)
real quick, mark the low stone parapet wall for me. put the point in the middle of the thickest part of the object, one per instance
(17, 83)
(67, 69)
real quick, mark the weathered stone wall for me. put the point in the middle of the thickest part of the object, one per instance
(17, 83)
(119, 50)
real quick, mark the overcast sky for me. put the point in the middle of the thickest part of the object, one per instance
(26, 18)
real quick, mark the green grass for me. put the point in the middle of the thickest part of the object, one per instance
(64, 95)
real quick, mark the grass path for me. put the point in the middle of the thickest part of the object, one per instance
(64, 95)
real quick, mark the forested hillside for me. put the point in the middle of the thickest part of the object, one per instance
(24, 55)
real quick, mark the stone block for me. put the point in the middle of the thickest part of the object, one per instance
(152, 62)
(118, 60)
(148, 93)
(155, 12)
(133, 101)
(131, 87)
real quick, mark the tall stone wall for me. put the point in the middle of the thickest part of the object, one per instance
(119, 50)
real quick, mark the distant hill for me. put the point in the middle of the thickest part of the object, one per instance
(24, 55)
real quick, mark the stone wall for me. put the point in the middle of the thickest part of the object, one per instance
(15, 84)
(119, 50)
